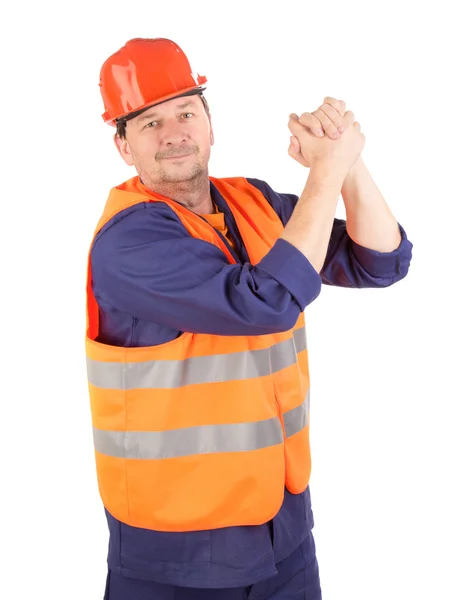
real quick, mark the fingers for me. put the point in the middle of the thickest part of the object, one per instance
(330, 118)
(295, 126)
(294, 150)
(323, 121)
(339, 105)
(311, 121)
(349, 119)
(308, 121)
(295, 147)
(330, 121)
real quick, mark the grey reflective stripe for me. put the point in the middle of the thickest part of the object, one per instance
(282, 355)
(297, 418)
(166, 374)
(205, 439)
(299, 336)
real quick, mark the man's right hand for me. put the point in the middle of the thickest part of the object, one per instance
(330, 157)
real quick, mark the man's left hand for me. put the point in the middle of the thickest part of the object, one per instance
(327, 119)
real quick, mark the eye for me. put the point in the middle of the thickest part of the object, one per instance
(188, 114)
(148, 125)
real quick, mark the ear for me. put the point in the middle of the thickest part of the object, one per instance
(124, 150)
(211, 131)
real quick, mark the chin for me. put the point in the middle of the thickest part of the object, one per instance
(178, 175)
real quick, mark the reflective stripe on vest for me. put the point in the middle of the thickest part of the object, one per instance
(207, 439)
(166, 374)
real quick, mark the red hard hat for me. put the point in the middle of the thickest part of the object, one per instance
(142, 73)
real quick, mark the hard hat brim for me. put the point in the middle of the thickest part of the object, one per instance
(127, 116)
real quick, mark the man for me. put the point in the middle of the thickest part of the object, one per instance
(196, 347)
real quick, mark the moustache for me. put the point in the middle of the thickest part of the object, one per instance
(184, 150)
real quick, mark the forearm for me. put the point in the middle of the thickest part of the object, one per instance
(147, 266)
(370, 222)
(309, 228)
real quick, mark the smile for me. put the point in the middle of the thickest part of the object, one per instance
(177, 157)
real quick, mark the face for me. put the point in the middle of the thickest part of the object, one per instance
(169, 143)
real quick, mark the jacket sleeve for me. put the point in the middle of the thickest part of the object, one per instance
(144, 263)
(348, 264)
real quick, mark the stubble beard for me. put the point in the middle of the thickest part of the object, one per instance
(178, 181)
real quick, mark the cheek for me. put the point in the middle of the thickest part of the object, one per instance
(146, 152)
(206, 138)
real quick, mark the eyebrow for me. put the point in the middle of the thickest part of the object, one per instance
(154, 114)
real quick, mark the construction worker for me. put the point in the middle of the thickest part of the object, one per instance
(196, 342)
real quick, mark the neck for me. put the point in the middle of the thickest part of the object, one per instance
(194, 194)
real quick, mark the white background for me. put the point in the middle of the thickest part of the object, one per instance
(391, 369)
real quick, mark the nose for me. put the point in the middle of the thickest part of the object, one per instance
(174, 134)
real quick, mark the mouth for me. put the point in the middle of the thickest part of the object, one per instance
(180, 157)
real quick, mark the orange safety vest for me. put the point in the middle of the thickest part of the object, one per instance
(204, 431)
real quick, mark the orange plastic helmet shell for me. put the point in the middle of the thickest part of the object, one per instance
(142, 73)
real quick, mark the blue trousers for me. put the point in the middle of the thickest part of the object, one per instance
(297, 579)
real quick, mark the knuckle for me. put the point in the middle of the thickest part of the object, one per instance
(331, 106)
(321, 116)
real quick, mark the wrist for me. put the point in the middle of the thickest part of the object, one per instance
(322, 175)
(357, 168)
